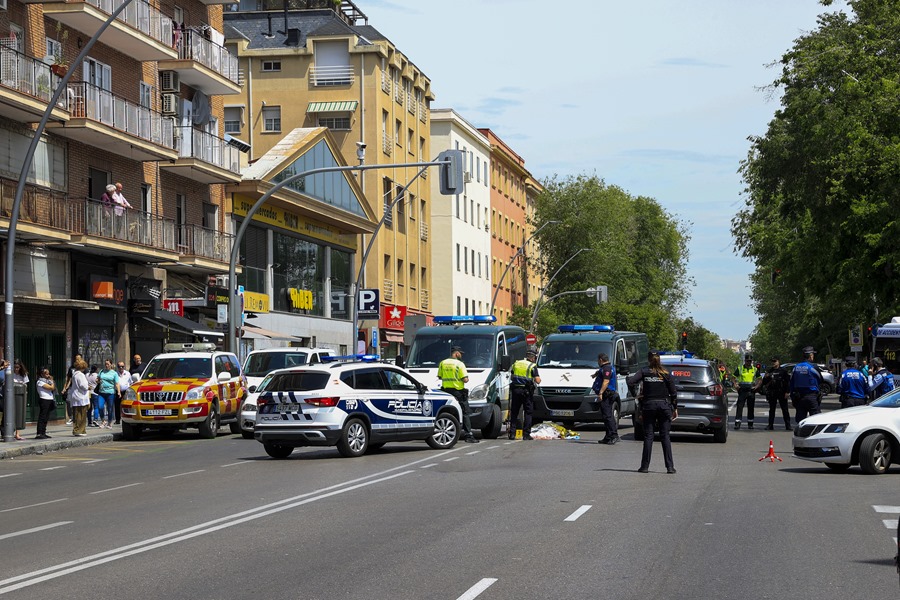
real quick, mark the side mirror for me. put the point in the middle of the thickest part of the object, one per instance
(399, 361)
(252, 389)
(505, 362)
(223, 377)
(622, 369)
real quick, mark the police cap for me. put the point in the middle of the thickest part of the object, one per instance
(456, 349)
(809, 350)
(531, 352)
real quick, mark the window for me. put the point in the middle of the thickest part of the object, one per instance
(478, 168)
(398, 127)
(458, 305)
(457, 206)
(472, 211)
(479, 265)
(467, 306)
(465, 210)
(401, 211)
(181, 218)
(54, 47)
(412, 207)
(271, 119)
(271, 65)
(473, 262)
(458, 262)
(339, 123)
(412, 277)
(401, 275)
(421, 149)
(387, 186)
(233, 119)
(465, 260)
(410, 145)
(145, 93)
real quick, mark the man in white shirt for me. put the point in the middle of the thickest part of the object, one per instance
(125, 381)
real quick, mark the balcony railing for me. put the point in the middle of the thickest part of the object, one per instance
(194, 143)
(398, 93)
(388, 289)
(385, 83)
(320, 76)
(387, 144)
(92, 217)
(423, 231)
(424, 300)
(40, 206)
(88, 101)
(423, 114)
(141, 16)
(193, 45)
(410, 103)
(194, 240)
(28, 75)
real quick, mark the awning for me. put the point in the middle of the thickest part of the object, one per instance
(320, 107)
(258, 333)
(168, 320)
(392, 336)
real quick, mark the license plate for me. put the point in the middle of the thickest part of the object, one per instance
(158, 412)
(288, 408)
(562, 413)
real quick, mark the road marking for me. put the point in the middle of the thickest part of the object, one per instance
(96, 460)
(492, 447)
(475, 590)
(121, 487)
(33, 505)
(474, 452)
(890, 523)
(53, 468)
(886, 509)
(451, 458)
(428, 466)
(243, 462)
(9, 475)
(34, 529)
(181, 474)
(574, 516)
(509, 442)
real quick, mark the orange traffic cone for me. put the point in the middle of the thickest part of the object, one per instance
(771, 455)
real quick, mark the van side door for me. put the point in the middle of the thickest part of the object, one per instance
(502, 378)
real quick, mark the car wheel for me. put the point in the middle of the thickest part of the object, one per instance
(276, 451)
(131, 433)
(492, 430)
(720, 436)
(617, 413)
(210, 427)
(235, 428)
(826, 389)
(838, 467)
(247, 435)
(875, 454)
(446, 432)
(354, 439)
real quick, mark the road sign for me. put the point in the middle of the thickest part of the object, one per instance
(856, 335)
(369, 306)
(531, 339)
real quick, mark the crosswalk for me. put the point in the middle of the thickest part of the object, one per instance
(890, 523)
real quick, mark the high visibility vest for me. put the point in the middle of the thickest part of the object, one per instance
(451, 373)
(746, 376)
(521, 373)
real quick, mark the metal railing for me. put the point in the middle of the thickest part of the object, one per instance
(410, 103)
(95, 218)
(141, 16)
(424, 299)
(423, 114)
(423, 231)
(388, 289)
(387, 144)
(398, 93)
(194, 143)
(88, 101)
(28, 75)
(194, 240)
(40, 206)
(385, 82)
(320, 76)
(193, 45)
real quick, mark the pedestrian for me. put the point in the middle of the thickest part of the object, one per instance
(804, 386)
(107, 388)
(137, 367)
(746, 376)
(854, 386)
(65, 391)
(124, 382)
(524, 377)
(658, 407)
(46, 390)
(119, 200)
(454, 377)
(776, 383)
(607, 395)
(92, 378)
(80, 395)
(882, 381)
(865, 367)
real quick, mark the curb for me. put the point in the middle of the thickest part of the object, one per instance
(43, 447)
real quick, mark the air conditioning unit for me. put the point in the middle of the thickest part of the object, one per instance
(467, 177)
(169, 81)
(170, 104)
(222, 281)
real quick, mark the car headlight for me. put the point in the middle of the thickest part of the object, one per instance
(478, 393)
(195, 393)
(130, 395)
(837, 428)
(249, 407)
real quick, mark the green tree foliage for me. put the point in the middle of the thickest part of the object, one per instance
(822, 196)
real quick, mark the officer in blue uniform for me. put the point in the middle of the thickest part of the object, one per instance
(805, 382)
(605, 388)
(853, 385)
(882, 381)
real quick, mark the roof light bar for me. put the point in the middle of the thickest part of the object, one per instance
(580, 328)
(352, 357)
(459, 319)
(684, 353)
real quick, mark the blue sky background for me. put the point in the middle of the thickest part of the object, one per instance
(655, 96)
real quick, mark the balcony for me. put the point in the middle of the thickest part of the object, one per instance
(424, 299)
(423, 114)
(26, 85)
(203, 64)
(387, 290)
(101, 119)
(198, 246)
(331, 76)
(128, 232)
(385, 83)
(410, 103)
(387, 144)
(43, 214)
(423, 231)
(204, 157)
(140, 31)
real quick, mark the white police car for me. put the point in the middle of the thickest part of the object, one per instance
(356, 406)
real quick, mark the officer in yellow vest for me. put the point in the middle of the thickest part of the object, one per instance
(454, 377)
(745, 375)
(524, 377)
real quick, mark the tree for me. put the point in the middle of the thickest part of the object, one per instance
(822, 186)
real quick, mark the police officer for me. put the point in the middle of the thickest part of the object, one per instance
(746, 376)
(605, 388)
(882, 381)
(454, 377)
(853, 385)
(657, 409)
(804, 387)
(524, 378)
(776, 384)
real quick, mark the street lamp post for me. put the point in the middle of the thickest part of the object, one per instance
(519, 252)
(537, 305)
(554, 297)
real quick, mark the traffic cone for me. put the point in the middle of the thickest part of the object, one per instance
(771, 455)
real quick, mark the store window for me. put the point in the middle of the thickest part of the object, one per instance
(298, 275)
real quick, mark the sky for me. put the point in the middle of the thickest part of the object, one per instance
(657, 97)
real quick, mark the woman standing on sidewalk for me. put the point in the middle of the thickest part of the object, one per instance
(80, 397)
(45, 389)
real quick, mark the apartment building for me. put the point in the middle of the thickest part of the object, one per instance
(144, 109)
(534, 275)
(320, 64)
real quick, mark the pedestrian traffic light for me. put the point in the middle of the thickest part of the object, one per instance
(451, 165)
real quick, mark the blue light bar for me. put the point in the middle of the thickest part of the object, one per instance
(684, 353)
(580, 328)
(349, 357)
(459, 319)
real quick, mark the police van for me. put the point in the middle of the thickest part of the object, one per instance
(488, 352)
(567, 362)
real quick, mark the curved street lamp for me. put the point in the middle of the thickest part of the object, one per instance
(519, 252)
(537, 305)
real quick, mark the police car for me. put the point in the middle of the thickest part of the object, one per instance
(355, 403)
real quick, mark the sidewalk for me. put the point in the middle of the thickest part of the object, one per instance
(60, 438)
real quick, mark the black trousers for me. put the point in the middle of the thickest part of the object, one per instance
(521, 398)
(46, 407)
(774, 400)
(745, 394)
(657, 416)
(806, 404)
(606, 409)
(848, 401)
(462, 396)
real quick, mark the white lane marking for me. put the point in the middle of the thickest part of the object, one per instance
(451, 458)
(243, 462)
(474, 452)
(33, 505)
(96, 460)
(121, 487)
(890, 523)
(574, 516)
(509, 442)
(181, 474)
(9, 475)
(886, 509)
(475, 590)
(11, 585)
(428, 466)
(492, 447)
(53, 468)
(34, 529)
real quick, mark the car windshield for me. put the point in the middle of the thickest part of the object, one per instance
(890, 400)
(572, 353)
(304, 381)
(179, 368)
(430, 350)
(263, 363)
(690, 374)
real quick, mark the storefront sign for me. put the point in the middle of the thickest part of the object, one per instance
(107, 291)
(284, 219)
(300, 299)
(255, 302)
(215, 296)
(174, 306)
(142, 308)
(392, 317)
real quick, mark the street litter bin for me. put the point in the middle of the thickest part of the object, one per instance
(20, 393)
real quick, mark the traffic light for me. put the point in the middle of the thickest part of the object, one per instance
(451, 167)
(775, 274)
(684, 340)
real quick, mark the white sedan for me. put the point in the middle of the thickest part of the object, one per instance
(865, 435)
